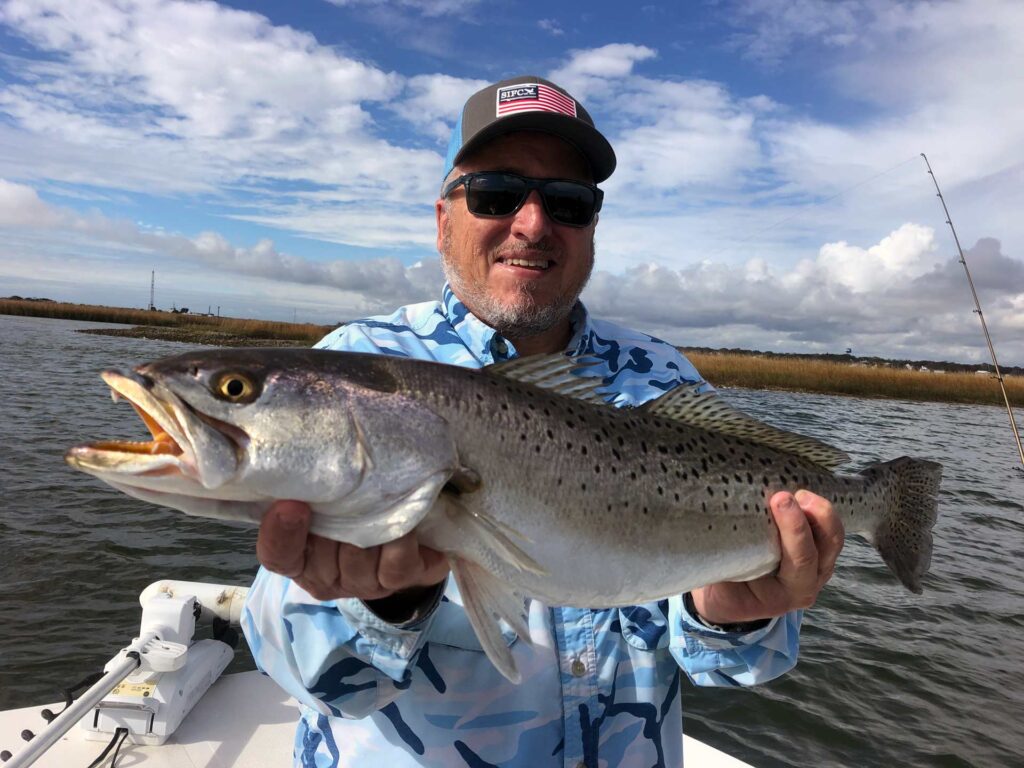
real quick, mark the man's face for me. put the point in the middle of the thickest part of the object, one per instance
(552, 261)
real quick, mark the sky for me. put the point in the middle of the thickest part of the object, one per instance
(280, 160)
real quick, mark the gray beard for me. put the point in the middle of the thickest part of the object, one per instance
(520, 318)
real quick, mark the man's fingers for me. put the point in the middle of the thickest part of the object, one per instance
(281, 543)
(827, 529)
(799, 567)
(358, 571)
(322, 562)
(400, 563)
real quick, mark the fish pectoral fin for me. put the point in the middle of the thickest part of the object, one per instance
(490, 535)
(376, 521)
(487, 599)
(707, 410)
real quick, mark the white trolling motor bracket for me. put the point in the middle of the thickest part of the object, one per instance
(149, 687)
(173, 671)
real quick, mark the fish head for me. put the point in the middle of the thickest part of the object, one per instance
(236, 425)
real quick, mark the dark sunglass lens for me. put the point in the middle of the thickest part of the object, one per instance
(569, 203)
(494, 194)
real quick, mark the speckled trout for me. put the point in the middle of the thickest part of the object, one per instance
(531, 483)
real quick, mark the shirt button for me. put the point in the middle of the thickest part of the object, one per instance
(579, 669)
(581, 765)
(500, 346)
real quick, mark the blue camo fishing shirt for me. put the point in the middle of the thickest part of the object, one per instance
(600, 686)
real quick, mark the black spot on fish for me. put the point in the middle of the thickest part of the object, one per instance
(504, 406)
(662, 449)
(616, 454)
(632, 475)
(710, 490)
(750, 478)
(551, 435)
(583, 486)
(677, 497)
(735, 527)
(661, 491)
(643, 446)
(597, 469)
(704, 463)
(583, 450)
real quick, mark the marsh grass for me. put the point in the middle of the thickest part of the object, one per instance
(802, 375)
(229, 326)
(725, 369)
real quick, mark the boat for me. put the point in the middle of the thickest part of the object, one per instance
(162, 701)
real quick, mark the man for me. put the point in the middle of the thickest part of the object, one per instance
(389, 672)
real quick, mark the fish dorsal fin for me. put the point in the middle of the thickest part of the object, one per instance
(555, 373)
(709, 411)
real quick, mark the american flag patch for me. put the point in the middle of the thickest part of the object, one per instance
(533, 97)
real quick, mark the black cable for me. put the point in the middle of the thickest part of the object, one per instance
(70, 691)
(118, 739)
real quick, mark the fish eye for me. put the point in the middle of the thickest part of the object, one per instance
(235, 388)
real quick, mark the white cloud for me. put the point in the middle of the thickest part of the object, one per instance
(433, 102)
(425, 7)
(21, 207)
(551, 26)
(897, 297)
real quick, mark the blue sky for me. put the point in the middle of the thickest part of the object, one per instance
(280, 160)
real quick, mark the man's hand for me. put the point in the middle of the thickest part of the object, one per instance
(811, 535)
(329, 570)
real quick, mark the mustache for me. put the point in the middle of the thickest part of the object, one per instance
(514, 250)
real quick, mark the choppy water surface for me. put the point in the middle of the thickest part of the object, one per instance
(886, 678)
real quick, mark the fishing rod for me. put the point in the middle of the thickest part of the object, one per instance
(977, 305)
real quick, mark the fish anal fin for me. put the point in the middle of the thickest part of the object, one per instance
(707, 410)
(488, 599)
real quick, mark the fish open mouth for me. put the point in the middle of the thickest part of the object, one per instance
(169, 450)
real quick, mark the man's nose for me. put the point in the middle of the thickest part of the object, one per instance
(531, 222)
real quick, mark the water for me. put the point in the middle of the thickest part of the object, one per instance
(885, 678)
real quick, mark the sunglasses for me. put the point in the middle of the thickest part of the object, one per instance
(494, 194)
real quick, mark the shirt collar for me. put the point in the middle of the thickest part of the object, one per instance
(488, 346)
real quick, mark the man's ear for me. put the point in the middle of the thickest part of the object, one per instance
(441, 216)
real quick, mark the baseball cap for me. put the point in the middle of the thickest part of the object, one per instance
(529, 103)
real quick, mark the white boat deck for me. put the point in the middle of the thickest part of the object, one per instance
(244, 721)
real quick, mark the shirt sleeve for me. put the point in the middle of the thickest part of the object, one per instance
(334, 656)
(712, 657)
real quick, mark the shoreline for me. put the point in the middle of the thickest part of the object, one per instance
(203, 336)
(875, 378)
(724, 370)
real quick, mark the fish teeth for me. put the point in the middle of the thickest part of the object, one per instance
(537, 263)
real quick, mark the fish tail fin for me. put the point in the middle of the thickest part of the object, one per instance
(486, 599)
(904, 535)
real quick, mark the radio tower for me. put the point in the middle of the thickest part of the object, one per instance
(152, 289)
